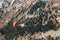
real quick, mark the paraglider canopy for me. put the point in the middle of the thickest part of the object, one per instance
(14, 23)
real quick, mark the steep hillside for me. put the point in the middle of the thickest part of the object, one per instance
(36, 19)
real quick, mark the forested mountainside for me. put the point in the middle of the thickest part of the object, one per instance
(33, 17)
